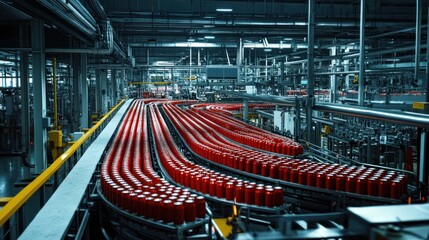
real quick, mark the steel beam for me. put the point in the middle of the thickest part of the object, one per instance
(362, 54)
(39, 88)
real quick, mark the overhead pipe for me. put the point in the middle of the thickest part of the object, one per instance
(79, 22)
(82, 10)
(98, 50)
(387, 116)
(406, 118)
(98, 9)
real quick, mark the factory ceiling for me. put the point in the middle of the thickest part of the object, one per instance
(150, 26)
(164, 30)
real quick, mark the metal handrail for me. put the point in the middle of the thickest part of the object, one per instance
(16, 202)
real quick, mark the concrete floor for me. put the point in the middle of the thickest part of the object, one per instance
(13, 174)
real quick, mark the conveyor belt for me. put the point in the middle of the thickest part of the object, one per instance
(341, 199)
(160, 137)
(129, 181)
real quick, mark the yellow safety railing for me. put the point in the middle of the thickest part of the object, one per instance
(16, 202)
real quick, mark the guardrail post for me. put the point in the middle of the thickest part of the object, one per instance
(20, 221)
(42, 196)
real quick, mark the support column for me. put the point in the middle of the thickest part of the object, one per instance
(97, 91)
(108, 88)
(424, 158)
(103, 88)
(122, 83)
(199, 57)
(239, 59)
(362, 54)
(84, 85)
(426, 85)
(333, 76)
(114, 88)
(310, 70)
(39, 91)
(246, 109)
(346, 69)
(76, 92)
(418, 37)
(25, 109)
(190, 62)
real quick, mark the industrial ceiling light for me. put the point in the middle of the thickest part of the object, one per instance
(209, 37)
(223, 10)
(191, 40)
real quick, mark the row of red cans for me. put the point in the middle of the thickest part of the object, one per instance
(350, 178)
(208, 181)
(145, 193)
(249, 135)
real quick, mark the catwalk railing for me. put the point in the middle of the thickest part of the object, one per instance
(13, 217)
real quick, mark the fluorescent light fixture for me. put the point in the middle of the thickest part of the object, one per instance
(223, 10)
(267, 49)
(209, 37)
(191, 40)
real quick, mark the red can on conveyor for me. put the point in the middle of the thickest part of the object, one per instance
(361, 185)
(148, 207)
(179, 213)
(279, 198)
(265, 169)
(168, 208)
(330, 181)
(239, 193)
(220, 189)
(200, 205)
(249, 194)
(157, 209)
(229, 190)
(205, 185)
(260, 196)
(302, 176)
(269, 197)
(294, 175)
(257, 167)
(351, 184)
(340, 183)
(190, 211)
(384, 188)
(320, 179)
(372, 186)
